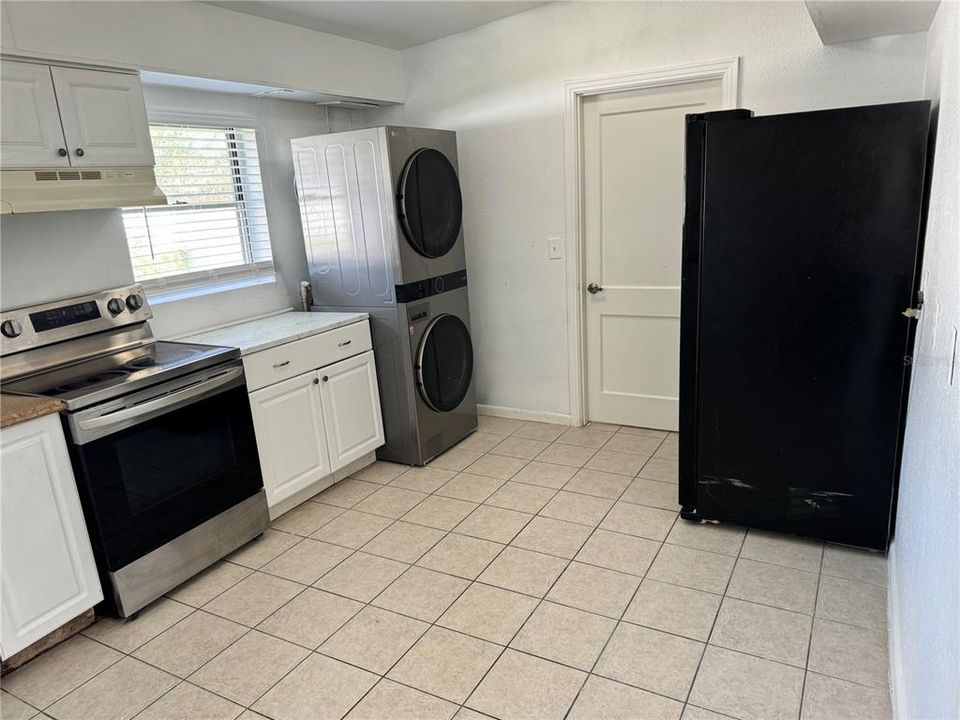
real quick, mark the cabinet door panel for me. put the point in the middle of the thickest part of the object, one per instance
(29, 118)
(351, 409)
(48, 574)
(103, 116)
(290, 436)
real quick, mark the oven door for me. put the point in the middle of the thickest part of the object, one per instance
(157, 463)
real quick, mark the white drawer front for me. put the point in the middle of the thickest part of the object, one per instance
(295, 358)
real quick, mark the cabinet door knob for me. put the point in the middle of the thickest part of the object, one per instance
(324, 378)
(316, 382)
(79, 152)
(62, 152)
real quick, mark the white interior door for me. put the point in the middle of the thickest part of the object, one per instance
(633, 144)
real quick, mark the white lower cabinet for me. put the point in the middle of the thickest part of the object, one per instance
(316, 423)
(351, 409)
(291, 441)
(48, 575)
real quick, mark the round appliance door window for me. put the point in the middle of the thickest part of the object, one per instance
(445, 363)
(430, 203)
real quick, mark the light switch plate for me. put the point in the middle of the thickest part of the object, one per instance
(554, 248)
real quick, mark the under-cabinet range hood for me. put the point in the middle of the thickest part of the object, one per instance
(30, 191)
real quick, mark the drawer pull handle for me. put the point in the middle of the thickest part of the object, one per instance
(344, 343)
(281, 364)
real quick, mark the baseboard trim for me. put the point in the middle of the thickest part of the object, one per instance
(898, 694)
(521, 414)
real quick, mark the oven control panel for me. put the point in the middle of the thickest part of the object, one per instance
(48, 323)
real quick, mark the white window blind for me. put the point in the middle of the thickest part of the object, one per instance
(215, 226)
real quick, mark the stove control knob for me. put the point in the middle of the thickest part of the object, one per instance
(11, 328)
(115, 306)
(134, 302)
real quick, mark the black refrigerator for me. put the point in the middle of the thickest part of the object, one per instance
(801, 255)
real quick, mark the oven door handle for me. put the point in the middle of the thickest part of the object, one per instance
(177, 397)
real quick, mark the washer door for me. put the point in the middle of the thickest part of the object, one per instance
(444, 363)
(429, 203)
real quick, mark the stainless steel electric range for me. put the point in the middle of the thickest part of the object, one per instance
(160, 434)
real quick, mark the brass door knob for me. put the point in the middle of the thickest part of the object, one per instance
(593, 288)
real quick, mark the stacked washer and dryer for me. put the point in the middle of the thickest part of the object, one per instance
(381, 211)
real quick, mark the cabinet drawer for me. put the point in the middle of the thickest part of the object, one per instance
(294, 358)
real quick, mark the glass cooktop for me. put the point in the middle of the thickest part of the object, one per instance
(90, 381)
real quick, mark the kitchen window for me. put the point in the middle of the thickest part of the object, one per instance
(214, 229)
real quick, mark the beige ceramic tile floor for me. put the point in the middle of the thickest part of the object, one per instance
(533, 571)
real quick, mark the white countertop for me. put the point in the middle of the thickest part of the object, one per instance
(269, 332)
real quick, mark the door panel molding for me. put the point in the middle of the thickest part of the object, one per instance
(727, 71)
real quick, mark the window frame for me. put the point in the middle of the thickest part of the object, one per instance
(206, 281)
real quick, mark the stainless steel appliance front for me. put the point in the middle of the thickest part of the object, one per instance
(381, 210)
(426, 410)
(160, 436)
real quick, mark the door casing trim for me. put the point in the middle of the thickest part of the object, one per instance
(727, 70)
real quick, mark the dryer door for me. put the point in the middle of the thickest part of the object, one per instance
(444, 363)
(429, 203)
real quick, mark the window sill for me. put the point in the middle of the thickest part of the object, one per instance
(161, 296)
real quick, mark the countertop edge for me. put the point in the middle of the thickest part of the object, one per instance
(17, 409)
(259, 346)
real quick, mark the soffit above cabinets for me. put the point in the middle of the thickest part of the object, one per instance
(843, 20)
(398, 24)
(232, 87)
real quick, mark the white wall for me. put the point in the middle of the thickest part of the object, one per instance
(45, 256)
(500, 87)
(192, 38)
(925, 557)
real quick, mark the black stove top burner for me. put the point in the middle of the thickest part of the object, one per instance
(140, 363)
(89, 381)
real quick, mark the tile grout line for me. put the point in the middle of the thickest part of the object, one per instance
(318, 650)
(72, 690)
(542, 599)
(251, 629)
(259, 569)
(806, 660)
(305, 588)
(247, 630)
(369, 603)
(713, 625)
(633, 595)
(366, 604)
(180, 681)
(475, 580)
(434, 623)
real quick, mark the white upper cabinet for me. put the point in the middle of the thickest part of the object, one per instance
(290, 438)
(59, 117)
(48, 575)
(104, 118)
(351, 408)
(31, 133)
